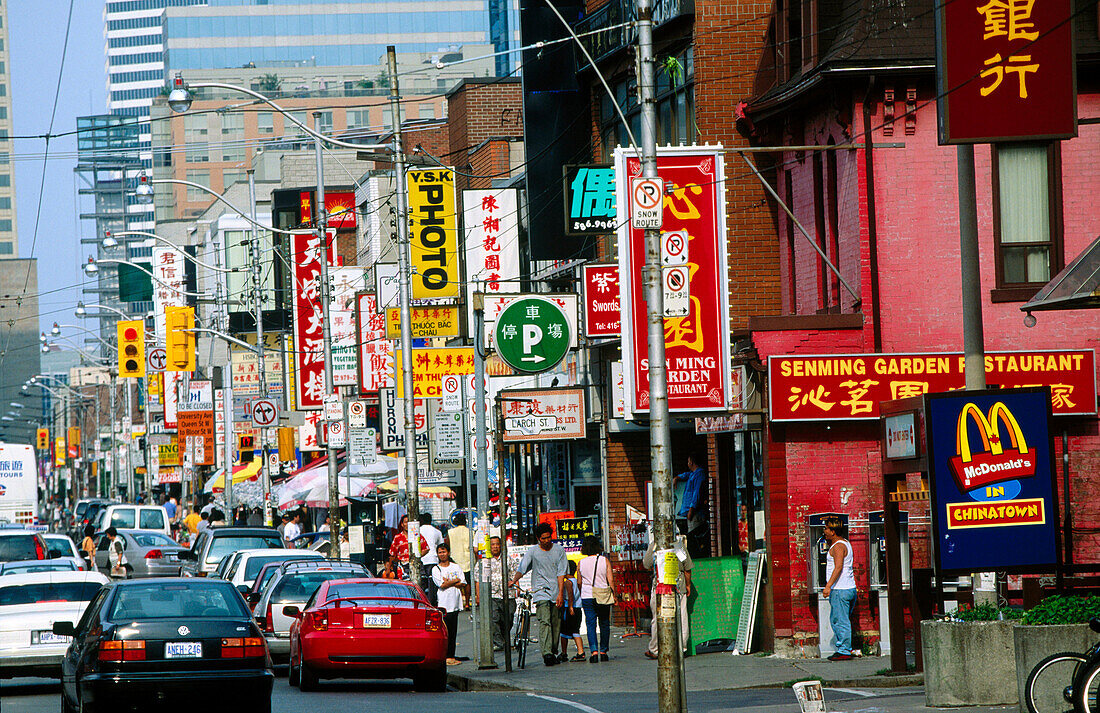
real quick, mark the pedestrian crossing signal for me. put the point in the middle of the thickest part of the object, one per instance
(131, 348)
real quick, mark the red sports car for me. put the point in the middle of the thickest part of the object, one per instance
(368, 628)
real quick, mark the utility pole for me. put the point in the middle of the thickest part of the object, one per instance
(484, 514)
(261, 366)
(326, 296)
(404, 270)
(114, 441)
(148, 457)
(226, 384)
(669, 675)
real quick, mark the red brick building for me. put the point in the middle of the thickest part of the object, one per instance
(886, 215)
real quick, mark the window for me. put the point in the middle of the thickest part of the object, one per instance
(1027, 218)
(152, 519)
(303, 118)
(426, 111)
(5, 203)
(358, 118)
(792, 270)
(195, 136)
(5, 226)
(326, 122)
(231, 177)
(7, 249)
(203, 179)
(674, 92)
(265, 122)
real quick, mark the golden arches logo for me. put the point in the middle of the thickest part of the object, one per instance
(995, 462)
(989, 430)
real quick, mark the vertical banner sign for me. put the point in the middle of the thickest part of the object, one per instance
(309, 355)
(433, 233)
(697, 347)
(601, 301)
(346, 282)
(991, 466)
(491, 219)
(589, 200)
(169, 278)
(171, 398)
(1005, 70)
(375, 351)
(196, 421)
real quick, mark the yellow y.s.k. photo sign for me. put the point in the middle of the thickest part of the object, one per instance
(433, 233)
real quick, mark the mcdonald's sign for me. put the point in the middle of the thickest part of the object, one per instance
(991, 468)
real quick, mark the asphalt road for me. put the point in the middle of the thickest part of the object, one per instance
(42, 696)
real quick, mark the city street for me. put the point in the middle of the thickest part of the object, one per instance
(40, 695)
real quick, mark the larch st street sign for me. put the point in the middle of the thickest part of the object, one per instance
(532, 334)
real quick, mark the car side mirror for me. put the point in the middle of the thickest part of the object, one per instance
(254, 597)
(64, 628)
(292, 611)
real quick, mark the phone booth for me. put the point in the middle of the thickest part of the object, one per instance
(816, 558)
(877, 567)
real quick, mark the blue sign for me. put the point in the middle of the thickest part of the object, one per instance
(589, 200)
(991, 467)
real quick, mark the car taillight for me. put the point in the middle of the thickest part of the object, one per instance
(153, 555)
(269, 625)
(242, 648)
(39, 551)
(133, 650)
(318, 619)
(433, 620)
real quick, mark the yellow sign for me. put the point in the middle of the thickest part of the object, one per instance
(59, 452)
(169, 453)
(426, 322)
(429, 368)
(433, 233)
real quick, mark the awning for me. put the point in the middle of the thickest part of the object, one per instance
(426, 491)
(241, 473)
(1075, 287)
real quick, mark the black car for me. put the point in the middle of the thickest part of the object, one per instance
(146, 644)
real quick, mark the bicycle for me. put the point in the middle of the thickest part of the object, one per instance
(521, 626)
(1066, 682)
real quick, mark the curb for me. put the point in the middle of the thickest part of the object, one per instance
(469, 684)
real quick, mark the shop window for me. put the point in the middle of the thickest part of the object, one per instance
(1027, 218)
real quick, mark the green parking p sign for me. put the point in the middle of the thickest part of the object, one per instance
(532, 334)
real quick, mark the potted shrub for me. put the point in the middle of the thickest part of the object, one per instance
(1058, 623)
(952, 645)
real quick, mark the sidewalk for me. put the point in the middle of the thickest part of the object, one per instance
(629, 671)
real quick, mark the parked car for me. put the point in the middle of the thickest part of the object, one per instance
(133, 517)
(212, 544)
(91, 514)
(267, 571)
(61, 564)
(243, 570)
(293, 583)
(62, 546)
(368, 628)
(149, 553)
(19, 544)
(149, 642)
(80, 516)
(30, 604)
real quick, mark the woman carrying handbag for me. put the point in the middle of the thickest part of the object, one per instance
(597, 596)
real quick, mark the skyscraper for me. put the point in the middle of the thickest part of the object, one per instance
(9, 245)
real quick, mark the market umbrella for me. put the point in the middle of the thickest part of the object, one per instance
(309, 486)
(317, 495)
(241, 473)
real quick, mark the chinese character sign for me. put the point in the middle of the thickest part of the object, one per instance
(601, 301)
(346, 282)
(850, 386)
(169, 279)
(339, 208)
(991, 468)
(429, 368)
(433, 233)
(375, 350)
(309, 356)
(589, 200)
(491, 219)
(697, 348)
(1005, 70)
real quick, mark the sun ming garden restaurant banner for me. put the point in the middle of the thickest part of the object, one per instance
(850, 386)
(991, 468)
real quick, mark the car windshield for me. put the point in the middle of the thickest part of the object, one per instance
(123, 518)
(222, 546)
(81, 508)
(367, 594)
(17, 547)
(173, 600)
(153, 539)
(17, 594)
(256, 562)
(58, 547)
(300, 587)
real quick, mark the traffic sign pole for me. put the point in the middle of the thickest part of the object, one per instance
(485, 648)
(258, 315)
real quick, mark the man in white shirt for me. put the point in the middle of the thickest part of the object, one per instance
(450, 585)
(433, 538)
(292, 530)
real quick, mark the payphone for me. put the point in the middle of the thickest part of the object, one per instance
(876, 567)
(816, 557)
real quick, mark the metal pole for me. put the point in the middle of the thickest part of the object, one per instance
(502, 507)
(468, 473)
(258, 309)
(114, 441)
(412, 491)
(128, 438)
(326, 296)
(669, 685)
(148, 461)
(973, 337)
(484, 514)
(226, 382)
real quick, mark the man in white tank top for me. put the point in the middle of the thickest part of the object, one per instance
(840, 587)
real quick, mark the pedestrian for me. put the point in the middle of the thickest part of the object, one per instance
(597, 592)
(547, 565)
(217, 518)
(681, 591)
(241, 518)
(204, 522)
(255, 517)
(491, 569)
(433, 538)
(292, 530)
(326, 527)
(209, 505)
(116, 554)
(571, 616)
(391, 570)
(691, 517)
(399, 548)
(458, 542)
(170, 508)
(192, 521)
(449, 585)
(87, 547)
(840, 587)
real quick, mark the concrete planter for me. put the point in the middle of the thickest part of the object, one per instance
(968, 663)
(1034, 643)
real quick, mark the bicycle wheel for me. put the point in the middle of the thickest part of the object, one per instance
(1050, 683)
(1086, 688)
(524, 635)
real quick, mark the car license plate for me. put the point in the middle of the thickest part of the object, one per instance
(183, 650)
(46, 638)
(376, 621)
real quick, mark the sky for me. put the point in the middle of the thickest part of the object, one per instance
(36, 37)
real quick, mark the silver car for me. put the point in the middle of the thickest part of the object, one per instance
(294, 582)
(149, 553)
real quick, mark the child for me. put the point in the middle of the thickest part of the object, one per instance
(391, 570)
(571, 616)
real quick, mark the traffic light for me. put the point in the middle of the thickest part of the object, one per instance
(246, 444)
(286, 444)
(131, 348)
(180, 339)
(43, 439)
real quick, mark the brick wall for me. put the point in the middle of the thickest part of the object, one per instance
(478, 111)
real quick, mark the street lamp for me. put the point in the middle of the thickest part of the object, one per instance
(92, 267)
(109, 241)
(82, 310)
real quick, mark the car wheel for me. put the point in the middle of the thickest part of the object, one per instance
(432, 681)
(307, 679)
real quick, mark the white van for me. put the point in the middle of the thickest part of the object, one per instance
(134, 517)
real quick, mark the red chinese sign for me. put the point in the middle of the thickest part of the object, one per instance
(697, 349)
(375, 351)
(309, 355)
(850, 387)
(1005, 70)
(601, 301)
(339, 208)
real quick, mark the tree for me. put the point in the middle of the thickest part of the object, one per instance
(270, 83)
